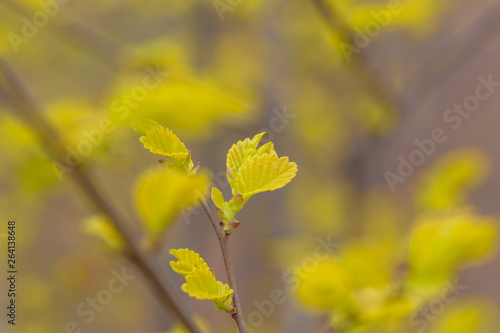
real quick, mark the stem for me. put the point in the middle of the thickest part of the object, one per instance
(223, 241)
(15, 93)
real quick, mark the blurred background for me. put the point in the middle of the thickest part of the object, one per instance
(389, 108)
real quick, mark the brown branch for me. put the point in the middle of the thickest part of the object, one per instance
(223, 241)
(15, 93)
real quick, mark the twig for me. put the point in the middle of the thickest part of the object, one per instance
(223, 241)
(15, 93)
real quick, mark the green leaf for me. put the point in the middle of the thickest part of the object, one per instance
(200, 280)
(266, 172)
(267, 148)
(227, 210)
(239, 153)
(143, 126)
(163, 192)
(187, 261)
(217, 198)
(203, 285)
(162, 141)
(251, 170)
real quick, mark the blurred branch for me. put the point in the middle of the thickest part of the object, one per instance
(223, 242)
(15, 93)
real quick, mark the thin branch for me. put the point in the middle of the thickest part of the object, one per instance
(15, 93)
(223, 241)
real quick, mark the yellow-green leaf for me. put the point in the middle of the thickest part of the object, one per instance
(217, 197)
(187, 261)
(163, 192)
(144, 125)
(162, 141)
(266, 172)
(267, 148)
(227, 210)
(239, 153)
(203, 285)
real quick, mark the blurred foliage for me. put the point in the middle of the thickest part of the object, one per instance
(100, 227)
(383, 279)
(448, 182)
(159, 205)
(213, 72)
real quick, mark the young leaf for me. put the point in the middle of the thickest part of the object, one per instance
(227, 210)
(266, 172)
(267, 148)
(187, 261)
(217, 198)
(200, 280)
(163, 192)
(203, 285)
(143, 126)
(251, 170)
(162, 141)
(239, 153)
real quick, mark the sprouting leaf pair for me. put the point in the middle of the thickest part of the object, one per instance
(251, 170)
(200, 279)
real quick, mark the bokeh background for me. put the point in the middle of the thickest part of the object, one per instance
(228, 70)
